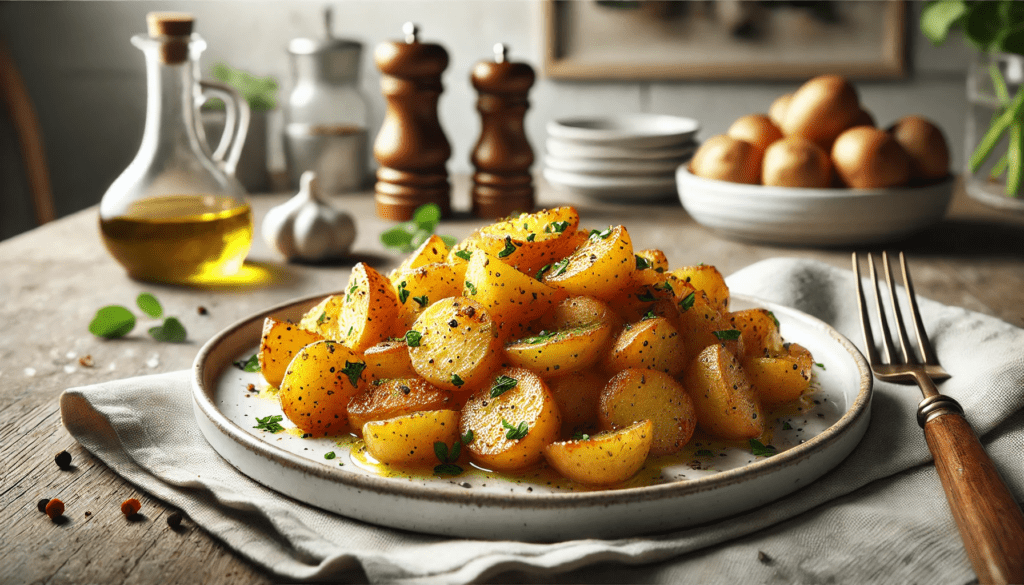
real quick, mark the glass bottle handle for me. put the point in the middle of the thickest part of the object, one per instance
(236, 124)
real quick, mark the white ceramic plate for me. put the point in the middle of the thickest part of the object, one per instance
(615, 166)
(480, 505)
(569, 149)
(815, 217)
(643, 130)
(606, 188)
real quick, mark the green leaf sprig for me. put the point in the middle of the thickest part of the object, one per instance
(409, 235)
(502, 384)
(114, 321)
(515, 432)
(761, 450)
(270, 423)
(448, 457)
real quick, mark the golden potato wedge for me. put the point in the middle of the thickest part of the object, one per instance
(385, 399)
(652, 343)
(653, 259)
(513, 418)
(365, 314)
(555, 353)
(531, 240)
(509, 296)
(578, 395)
(708, 279)
(418, 288)
(456, 344)
(388, 359)
(600, 268)
(409, 439)
(634, 395)
(701, 325)
(604, 459)
(760, 332)
(579, 311)
(782, 379)
(279, 343)
(318, 384)
(725, 403)
(432, 251)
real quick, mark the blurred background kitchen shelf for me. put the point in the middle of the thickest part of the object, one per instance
(88, 85)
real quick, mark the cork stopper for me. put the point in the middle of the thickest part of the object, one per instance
(169, 24)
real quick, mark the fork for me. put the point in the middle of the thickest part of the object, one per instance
(990, 520)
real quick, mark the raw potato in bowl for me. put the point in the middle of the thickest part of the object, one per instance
(533, 343)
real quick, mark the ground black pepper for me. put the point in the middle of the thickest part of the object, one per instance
(63, 459)
(174, 520)
(41, 504)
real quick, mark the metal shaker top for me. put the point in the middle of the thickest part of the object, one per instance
(329, 59)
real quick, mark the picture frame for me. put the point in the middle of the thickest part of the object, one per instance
(723, 39)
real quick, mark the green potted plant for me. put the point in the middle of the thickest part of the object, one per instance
(995, 122)
(261, 95)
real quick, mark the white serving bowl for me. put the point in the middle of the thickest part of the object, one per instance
(631, 130)
(569, 149)
(816, 217)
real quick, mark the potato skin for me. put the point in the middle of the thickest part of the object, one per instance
(724, 158)
(365, 314)
(409, 439)
(536, 239)
(780, 379)
(389, 359)
(637, 394)
(599, 268)
(605, 459)
(651, 343)
(529, 401)
(278, 345)
(385, 399)
(509, 296)
(317, 387)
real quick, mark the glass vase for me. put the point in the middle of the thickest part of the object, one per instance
(995, 159)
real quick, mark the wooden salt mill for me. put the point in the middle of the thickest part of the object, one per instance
(502, 157)
(411, 146)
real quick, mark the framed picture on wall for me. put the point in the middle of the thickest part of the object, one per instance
(723, 39)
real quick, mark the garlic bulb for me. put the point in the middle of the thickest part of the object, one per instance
(306, 228)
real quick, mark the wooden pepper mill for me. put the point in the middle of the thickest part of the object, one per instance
(411, 147)
(502, 183)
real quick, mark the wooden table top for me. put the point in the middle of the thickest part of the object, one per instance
(54, 278)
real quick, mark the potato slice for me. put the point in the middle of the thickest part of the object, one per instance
(509, 296)
(782, 379)
(708, 279)
(760, 332)
(654, 260)
(364, 315)
(457, 346)
(634, 395)
(604, 459)
(318, 384)
(418, 288)
(554, 353)
(650, 292)
(725, 403)
(388, 359)
(397, 397)
(531, 240)
(511, 424)
(652, 343)
(600, 268)
(409, 439)
(701, 325)
(578, 395)
(279, 343)
(433, 250)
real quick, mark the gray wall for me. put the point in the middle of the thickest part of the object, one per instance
(88, 83)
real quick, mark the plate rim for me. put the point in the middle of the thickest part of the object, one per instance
(602, 498)
(570, 128)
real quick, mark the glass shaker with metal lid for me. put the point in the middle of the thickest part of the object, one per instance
(177, 214)
(326, 116)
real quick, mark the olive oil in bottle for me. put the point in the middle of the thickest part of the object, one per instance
(188, 239)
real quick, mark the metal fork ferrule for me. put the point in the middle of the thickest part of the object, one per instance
(935, 406)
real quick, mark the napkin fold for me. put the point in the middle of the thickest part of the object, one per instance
(880, 515)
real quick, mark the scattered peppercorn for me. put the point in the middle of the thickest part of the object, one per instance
(130, 507)
(250, 387)
(763, 557)
(41, 504)
(63, 459)
(86, 361)
(201, 310)
(88, 513)
(174, 520)
(54, 509)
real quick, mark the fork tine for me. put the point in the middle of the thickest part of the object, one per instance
(865, 321)
(883, 323)
(927, 353)
(901, 332)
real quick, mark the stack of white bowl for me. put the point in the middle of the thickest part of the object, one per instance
(626, 157)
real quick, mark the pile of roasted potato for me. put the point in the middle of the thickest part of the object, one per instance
(533, 340)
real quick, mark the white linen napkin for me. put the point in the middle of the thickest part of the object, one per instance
(880, 515)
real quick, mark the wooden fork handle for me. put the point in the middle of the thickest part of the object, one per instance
(990, 520)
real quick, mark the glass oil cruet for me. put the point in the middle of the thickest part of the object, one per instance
(177, 214)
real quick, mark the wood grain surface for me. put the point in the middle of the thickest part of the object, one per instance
(55, 277)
